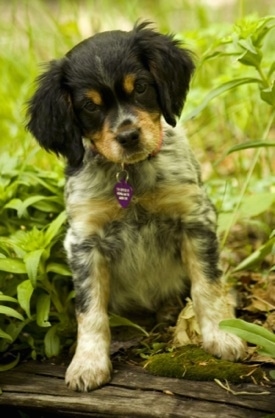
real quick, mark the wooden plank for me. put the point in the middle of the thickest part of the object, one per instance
(116, 403)
(132, 392)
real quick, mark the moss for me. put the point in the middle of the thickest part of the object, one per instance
(193, 363)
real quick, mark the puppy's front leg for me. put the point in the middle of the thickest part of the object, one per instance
(211, 302)
(90, 366)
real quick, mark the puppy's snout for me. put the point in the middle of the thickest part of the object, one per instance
(129, 137)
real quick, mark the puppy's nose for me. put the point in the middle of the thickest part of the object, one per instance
(129, 137)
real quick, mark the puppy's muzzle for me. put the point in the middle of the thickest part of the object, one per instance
(129, 138)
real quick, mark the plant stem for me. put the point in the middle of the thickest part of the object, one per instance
(242, 193)
(262, 75)
(246, 183)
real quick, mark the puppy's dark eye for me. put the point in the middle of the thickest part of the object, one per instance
(141, 87)
(90, 106)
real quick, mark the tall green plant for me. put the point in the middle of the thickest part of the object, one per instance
(34, 278)
(253, 66)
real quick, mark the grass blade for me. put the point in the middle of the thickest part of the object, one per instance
(217, 92)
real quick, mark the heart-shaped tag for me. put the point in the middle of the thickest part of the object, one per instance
(123, 192)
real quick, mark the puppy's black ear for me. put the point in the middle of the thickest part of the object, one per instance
(51, 117)
(171, 67)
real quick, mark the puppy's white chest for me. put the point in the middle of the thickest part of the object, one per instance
(147, 268)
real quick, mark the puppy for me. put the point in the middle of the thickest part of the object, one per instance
(141, 228)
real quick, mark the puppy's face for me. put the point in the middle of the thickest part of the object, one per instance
(111, 89)
(115, 101)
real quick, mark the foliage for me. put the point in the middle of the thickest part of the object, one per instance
(34, 278)
(246, 45)
(229, 116)
(252, 333)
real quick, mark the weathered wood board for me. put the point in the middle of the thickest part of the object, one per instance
(132, 393)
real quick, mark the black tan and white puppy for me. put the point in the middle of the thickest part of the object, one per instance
(141, 229)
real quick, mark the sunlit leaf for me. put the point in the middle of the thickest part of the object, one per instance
(119, 321)
(229, 85)
(256, 204)
(61, 269)
(12, 265)
(54, 227)
(271, 69)
(264, 26)
(224, 221)
(268, 94)
(247, 58)
(250, 144)
(251, 333)
(257, 256)
(43, 309)
(24, 293)
(32, 261)
(6, 310)
(28, 202)
(248, 45)
(5, 298)
(52, 342)
(13, 204)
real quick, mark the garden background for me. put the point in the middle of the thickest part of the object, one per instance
(229, 118)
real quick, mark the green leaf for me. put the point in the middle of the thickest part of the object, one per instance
(54, 228)
(21, 210)
(43, 305)
(13, 204)
(12, 265)
(4, 298)
(52, 342)
(6, 310)
(268, 94)
(119, 321)
(271, 70)
(251, 56)
(32, 260)
(60, 269)
(262, 30)
(24, 293)
(256, 204)
(229, 85)
(251, 333)
(50, 205)
(5, 335)
(250, 144)
(14, 328)
(257, 256)
(11, 365)
(70, 296)
(248, 45)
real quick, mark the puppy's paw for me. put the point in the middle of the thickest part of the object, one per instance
(85, 374)
(223, 345)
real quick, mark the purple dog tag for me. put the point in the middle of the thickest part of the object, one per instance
(123, 192)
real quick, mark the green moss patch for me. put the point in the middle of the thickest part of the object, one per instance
(193, 363)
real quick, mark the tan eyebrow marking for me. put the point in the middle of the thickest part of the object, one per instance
(129, 83)
(95, 97)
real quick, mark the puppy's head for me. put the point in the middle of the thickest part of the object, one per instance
(111, 89)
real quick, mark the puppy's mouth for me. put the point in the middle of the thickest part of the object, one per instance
(134, 156)
(121, 153)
